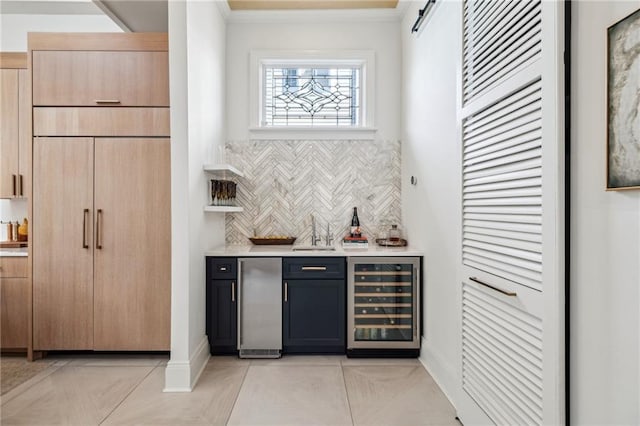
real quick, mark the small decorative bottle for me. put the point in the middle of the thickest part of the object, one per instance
(394, 233)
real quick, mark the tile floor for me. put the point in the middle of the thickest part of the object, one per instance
(293, 390)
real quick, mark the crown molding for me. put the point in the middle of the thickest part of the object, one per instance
(224, 9)
(314, 16)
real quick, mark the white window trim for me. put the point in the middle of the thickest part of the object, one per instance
(365, 59)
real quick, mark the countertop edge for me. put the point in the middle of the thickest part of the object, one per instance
(287, 251)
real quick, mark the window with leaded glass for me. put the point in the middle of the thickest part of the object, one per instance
(311, 96)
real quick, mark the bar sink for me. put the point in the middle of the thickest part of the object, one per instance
(314, 248)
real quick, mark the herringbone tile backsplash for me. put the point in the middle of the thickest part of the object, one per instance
(285, 182)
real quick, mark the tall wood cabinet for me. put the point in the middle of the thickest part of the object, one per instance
(15, 124)
(101, 192)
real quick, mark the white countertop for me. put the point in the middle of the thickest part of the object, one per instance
(287, 251)
(14, 252)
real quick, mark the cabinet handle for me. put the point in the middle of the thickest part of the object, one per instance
(13, 179)
(85, 245)
(223, 268)
(233, 291)
(499, 290)
(286, 291)
(98, 230)
(107, 101)
(21, 186)
(314, 268)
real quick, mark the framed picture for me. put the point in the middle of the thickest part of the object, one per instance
(623, 108)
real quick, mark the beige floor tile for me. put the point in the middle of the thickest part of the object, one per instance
(112, 360)
(288, 395)
(301, 360)
(228, 360)
(381, 361)
(210, 403)
(396, 395)
(73, 396)
(32, 381)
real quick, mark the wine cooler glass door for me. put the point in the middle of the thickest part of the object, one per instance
(383, 296)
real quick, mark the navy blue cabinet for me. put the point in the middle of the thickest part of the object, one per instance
(314, 311)
(222, 311)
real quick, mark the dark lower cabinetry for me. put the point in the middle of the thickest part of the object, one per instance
(314, 312)
(222, 311)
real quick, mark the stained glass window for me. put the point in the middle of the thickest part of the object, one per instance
(308, 96)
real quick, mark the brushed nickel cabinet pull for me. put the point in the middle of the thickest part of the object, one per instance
(85, 245)
(107, 101)
(314, 268)
(21, 186)
(499, 290)
(233, 291)
(13, 179)
(223, 268)
(98, 230)
(286, 291)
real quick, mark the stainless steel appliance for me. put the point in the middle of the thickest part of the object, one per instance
(260, 307)
(383, 306)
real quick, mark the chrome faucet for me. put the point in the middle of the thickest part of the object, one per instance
(329, 236)
(315, 239)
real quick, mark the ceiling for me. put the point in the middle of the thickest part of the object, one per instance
(137, 15)
(310, 4)
(152, 15)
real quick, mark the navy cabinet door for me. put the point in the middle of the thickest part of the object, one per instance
(314, 316)
(222, 316)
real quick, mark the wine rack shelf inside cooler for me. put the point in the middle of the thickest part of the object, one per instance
(383, 302)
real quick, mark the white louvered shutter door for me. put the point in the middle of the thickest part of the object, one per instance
(512, 364)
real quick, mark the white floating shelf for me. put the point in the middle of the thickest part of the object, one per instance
(223, 209)
(222, 168)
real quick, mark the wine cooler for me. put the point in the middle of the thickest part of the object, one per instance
(384, 306)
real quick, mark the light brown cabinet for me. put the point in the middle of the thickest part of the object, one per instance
(101, 271)
(14, 300)
(101, 227)
(107, 78)
(15, 125)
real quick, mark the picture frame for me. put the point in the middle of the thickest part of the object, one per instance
(623, 104)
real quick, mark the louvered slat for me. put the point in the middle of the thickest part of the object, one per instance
(501, 358)
(502, 183)
(500, 37)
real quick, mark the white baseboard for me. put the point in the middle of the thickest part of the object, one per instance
(442, 372)
(182, 376)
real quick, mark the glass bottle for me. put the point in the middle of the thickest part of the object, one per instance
(355, 224)
(394, 233)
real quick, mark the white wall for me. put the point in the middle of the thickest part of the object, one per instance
(605, 242)
(382, 37)
(431, 152)
(14, 28)
(197, 38)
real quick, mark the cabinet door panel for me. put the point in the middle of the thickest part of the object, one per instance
(93, 78)
(314, 316)
(62, 246)
(14, 297)
(24, 130)
(223, 319)
(101, 121)
(8, 132)
(132, 281)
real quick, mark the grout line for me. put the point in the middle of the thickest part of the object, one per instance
(128, 394)
(346, 391)
(235, 401)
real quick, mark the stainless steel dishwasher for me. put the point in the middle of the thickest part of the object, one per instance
(260, 307)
